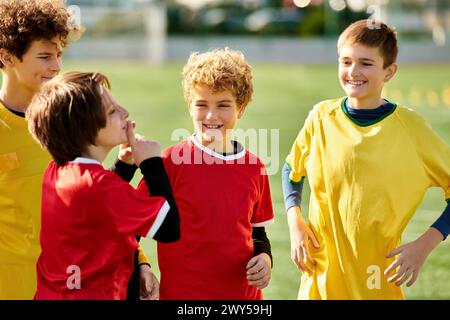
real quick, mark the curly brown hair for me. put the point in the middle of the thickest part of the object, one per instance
(24, 21)
(219, 69)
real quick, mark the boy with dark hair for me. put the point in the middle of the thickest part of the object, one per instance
(369, 163)
(90, 216)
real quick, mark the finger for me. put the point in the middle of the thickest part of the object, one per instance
(255, 271)
(258, 275)
(314, 240)
(154, 292)
(297, 258)
(394, 252)
(305, 255)
(259, 282)
(251, 263)
(404, 278)
(399, 273)
(309, 257)
(392, 267)
(130, 133)
(413, 279)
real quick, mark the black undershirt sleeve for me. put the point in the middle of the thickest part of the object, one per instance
(124, 170)
(261, 243)
(157, 181)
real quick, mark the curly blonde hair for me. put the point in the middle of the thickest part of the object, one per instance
(24, 21)
(220, 70)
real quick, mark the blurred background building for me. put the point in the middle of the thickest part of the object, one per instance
(266, 30)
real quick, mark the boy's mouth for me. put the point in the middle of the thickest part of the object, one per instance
(356, 82)
(213, 126)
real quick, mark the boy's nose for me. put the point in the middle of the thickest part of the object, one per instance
(353, 70)
(124, 112)
(211, 115)
(56, 65)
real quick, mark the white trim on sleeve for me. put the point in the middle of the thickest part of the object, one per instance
(159, 220)
(264, 223)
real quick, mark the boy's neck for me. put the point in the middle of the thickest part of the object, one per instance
(370, 103)
(15, 97)
(96, 152)
(221, 146)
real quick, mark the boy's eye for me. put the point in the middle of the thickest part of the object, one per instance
(224, 106)
(112, 111)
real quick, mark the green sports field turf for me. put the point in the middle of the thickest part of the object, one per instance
(284, 93)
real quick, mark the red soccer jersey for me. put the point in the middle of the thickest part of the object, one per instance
(90, 217)
(219, 199)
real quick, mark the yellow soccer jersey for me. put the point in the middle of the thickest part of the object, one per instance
(366, 183)
(22, 164)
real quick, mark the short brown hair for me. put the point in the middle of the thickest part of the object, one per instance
(67, 113)
(372, 33)
(219, 69)
(24, 21)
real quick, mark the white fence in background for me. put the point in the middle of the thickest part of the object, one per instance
(255, 49)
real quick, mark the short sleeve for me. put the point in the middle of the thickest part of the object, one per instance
(263, 210)
(435, 155)
(131, 210)
(298, 157)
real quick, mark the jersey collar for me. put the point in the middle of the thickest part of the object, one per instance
(236, 156)
(85, 160)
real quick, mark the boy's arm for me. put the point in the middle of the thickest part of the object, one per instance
(157, 181)
(411, 256)
(124, 166)
(142, 258)
(124, 170)
(261, 244)
(300, 232)
(442, 224)
(292, 191)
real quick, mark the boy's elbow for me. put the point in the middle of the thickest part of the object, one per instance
(170, 228)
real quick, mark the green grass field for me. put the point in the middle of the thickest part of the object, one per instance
(284, 93)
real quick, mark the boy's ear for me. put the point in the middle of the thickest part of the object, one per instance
(390, 72)
(6, 57)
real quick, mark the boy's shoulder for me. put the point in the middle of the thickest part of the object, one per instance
(328, 105)
(324, 108)
(89, 174)
(410, 117)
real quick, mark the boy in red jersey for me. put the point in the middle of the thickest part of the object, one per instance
(90, 215)
(222, 191)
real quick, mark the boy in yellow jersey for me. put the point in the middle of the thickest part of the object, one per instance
(32, 36)
(369, 163)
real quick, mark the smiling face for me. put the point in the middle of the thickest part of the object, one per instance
(115, 131)
(40, 63)
(214, 115)
(362, 75)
